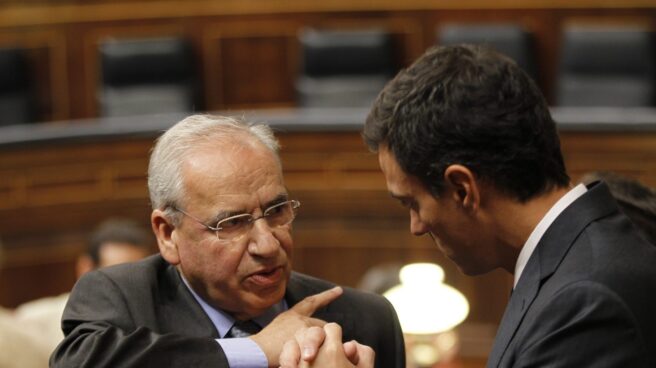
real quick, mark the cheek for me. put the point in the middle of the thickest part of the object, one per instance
(285, 239)
(212, 260)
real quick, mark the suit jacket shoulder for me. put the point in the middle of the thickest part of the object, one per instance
(584, 297)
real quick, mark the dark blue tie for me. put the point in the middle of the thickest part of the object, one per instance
(243, 329)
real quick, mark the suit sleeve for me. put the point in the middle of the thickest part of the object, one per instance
(100, 332)
(397, 333)
(584, 325)
(383, 332)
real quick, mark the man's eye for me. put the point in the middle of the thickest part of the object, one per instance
(233, 222)
(275, 210)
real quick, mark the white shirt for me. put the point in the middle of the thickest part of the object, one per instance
(542, 226)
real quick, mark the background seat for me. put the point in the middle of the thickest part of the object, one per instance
(16, 101)
(343, 68)
(142, 76)
(510, 39)
(606, 66)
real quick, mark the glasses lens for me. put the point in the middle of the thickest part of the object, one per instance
(234, 226)
(277, 215)
(281, 214)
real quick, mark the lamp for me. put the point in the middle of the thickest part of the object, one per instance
(428, 310)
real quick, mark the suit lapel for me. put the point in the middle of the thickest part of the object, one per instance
(180, 310)
(522, 297)
(597, 202)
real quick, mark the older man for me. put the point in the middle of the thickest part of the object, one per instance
(221, 293)
(467, 145)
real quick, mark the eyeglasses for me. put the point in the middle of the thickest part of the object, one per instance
(234, 227)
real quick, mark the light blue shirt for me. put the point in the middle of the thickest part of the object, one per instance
(240, 352)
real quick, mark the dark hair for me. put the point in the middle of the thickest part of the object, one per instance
(472, 106)
(118, 231)
(636, 200)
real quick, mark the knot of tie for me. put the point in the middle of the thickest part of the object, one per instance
(243, 329)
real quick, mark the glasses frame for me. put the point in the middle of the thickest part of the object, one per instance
(216, 229)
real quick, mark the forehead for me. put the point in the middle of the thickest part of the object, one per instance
(231, 172)
(399, 183)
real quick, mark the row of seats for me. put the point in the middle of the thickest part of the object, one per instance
(610, 66)
(16, 97)
(599, 65)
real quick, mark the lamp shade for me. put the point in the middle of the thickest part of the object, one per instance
(424, 304)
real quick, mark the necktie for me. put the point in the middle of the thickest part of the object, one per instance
(243, 329)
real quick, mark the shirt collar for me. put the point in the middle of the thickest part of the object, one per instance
(543, 225)
(224, 321)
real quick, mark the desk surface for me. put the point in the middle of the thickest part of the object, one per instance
(602, 119)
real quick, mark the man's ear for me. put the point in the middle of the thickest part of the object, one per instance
(465, 187)
(83, 265)
(163, 229)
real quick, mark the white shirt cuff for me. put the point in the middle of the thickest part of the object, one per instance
(243, 353)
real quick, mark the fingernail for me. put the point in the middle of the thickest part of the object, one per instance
(307, 352)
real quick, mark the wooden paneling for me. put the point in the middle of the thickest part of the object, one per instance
(239, 59)
(248, 52)
(632, 154)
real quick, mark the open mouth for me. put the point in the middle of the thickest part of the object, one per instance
(267, 277)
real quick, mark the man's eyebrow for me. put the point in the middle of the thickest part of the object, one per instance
(225, 214)
(406, 200)
(282, 197)
(399, 197)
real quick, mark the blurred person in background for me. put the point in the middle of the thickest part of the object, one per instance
(636, 200)
(114, 241)
(19, 349)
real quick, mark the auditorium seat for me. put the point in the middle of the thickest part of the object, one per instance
(143, 76)
(606, 66)
(343, 68)
(510, 39)
(16, 102)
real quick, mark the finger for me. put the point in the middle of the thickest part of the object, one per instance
(310, 341)
(351, 351)
(333, 335)
(290, 355)
(309, 305)
(366, 356)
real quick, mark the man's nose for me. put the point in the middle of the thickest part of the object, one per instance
(417, 227)
(263, 242)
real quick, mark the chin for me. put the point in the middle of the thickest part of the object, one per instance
(270, 296)
(471, 269)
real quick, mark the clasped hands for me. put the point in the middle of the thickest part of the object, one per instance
(322, 347)
(296, 340)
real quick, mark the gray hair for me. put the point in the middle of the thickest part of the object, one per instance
(165, 182)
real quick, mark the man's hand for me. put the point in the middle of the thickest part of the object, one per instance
(284, 327)
(323, 348)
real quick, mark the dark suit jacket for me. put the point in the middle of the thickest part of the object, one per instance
(587, 297)
(142, 315)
